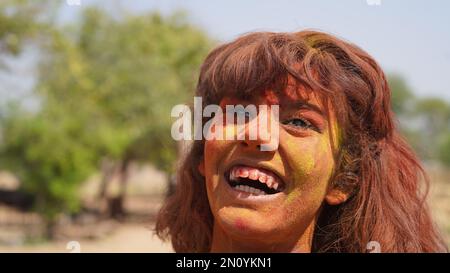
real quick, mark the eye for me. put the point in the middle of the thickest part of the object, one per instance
(298, 122)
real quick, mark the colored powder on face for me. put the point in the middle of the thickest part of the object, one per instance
(338, 134)
(334, 133)
(302, 164)
(308, 162)
(240, 224)
(323, 146)
(294, 195)
(229, 131)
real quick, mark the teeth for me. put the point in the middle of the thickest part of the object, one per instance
(255, 174)
(262, 178)
(235, 173)
(275, 186)
(243, 173)
(250, 190)
(269, 181)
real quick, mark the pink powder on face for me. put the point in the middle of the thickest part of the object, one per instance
(239, 223)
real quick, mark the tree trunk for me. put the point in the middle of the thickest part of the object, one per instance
(116, 204)
(50, 229)
(109, 168)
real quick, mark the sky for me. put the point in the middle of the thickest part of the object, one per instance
(409, 37)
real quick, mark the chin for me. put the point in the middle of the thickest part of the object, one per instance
(248, 224)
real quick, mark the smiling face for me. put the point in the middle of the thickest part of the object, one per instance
(270, 200)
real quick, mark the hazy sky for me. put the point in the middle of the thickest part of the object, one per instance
(408, 37)
(404, 36)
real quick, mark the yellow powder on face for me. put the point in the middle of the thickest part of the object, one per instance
(308, 162)
(269, 209)
(334, 130)
(229, 131)
(244, 216)
(292, 196)
(303, 164)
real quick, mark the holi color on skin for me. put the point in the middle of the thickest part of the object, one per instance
(302, 71)
(304, 159)
(240, 224)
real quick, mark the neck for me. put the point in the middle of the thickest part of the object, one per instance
(223, 242)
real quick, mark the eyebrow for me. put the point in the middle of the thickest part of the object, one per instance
(307, 105)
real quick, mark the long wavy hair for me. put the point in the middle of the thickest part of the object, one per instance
(387, 183)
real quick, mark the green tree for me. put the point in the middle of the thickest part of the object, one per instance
(434, 117)
(48, 154)
(402, 96)
(129, 72)
(106, 86)
(424, 121)
(22, 20)
(444, 151)
(403, 104)
(436, 114)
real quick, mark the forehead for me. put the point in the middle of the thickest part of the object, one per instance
(293, 97)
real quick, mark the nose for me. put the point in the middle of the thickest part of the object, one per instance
(261, 132)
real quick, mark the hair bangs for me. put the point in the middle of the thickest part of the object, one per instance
(256, 63)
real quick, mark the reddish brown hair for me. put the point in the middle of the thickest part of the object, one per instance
(387, 182)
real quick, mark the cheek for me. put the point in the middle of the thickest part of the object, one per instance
(211, 146)
(312, 165)
(212, 149)
(215, 152)
(301, 157)
(216, 149)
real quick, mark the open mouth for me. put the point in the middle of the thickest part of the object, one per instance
(255, 181)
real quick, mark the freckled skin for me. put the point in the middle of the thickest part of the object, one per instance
(304, 160)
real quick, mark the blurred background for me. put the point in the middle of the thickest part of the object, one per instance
(86, 90)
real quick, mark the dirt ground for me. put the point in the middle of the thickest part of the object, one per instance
(126, 238)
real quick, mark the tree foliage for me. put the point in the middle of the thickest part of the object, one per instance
(425, 121)
(106, 87)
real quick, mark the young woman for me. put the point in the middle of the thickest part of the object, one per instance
(341, 178)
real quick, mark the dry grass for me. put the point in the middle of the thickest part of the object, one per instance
(439, 199)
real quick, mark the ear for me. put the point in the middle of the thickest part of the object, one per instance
(201, 167)
(336, 196)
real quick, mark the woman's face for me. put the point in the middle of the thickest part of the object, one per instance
(272, 198)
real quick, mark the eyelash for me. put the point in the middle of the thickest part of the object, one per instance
(306, 123)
